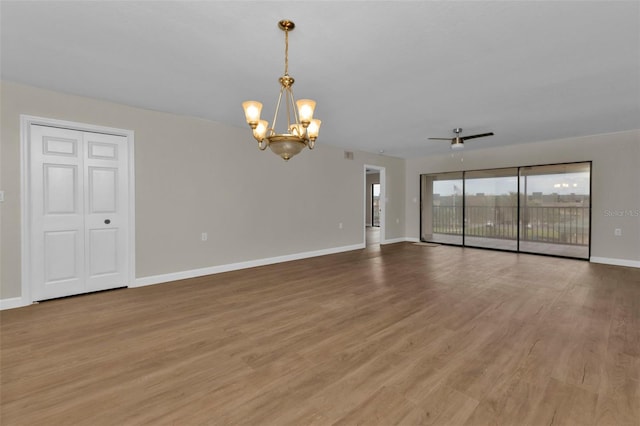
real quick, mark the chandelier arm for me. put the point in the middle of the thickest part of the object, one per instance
(295, 116)
(289, 102)
(262, 145)
(291, 106)
(295, 110)
(275, 116)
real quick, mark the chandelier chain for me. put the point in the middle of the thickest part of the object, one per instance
(286, 52)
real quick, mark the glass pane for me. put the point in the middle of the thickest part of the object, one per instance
(555, 209)
(491, 209)
(441, 201)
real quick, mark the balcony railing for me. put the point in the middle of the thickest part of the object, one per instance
(559, 225)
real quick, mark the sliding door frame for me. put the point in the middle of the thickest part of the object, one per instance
(519, 189)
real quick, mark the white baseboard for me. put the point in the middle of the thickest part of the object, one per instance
(394, 240)
(182, 275)
(412, 240)
(11, 303)
(616, 262)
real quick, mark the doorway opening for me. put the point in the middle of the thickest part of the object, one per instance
(375, 205)
(374, 189)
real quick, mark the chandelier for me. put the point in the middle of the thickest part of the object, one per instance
(301, 130)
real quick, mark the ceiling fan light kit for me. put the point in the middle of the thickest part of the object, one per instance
(457, 142)
(301, 130)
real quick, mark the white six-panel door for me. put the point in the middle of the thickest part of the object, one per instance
(79, 211)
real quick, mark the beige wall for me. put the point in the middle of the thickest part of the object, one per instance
(615, 183)
(195, 176)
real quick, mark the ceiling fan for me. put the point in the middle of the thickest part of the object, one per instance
(457, 142)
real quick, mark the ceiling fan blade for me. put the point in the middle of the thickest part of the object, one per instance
(480, 135)
(440, 139)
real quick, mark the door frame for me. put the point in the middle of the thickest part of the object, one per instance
(383, 202)
(25, 195)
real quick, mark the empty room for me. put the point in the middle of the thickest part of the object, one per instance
(319, 212)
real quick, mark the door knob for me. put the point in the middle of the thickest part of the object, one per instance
(107, 221)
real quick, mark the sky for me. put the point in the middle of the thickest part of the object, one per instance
(564, 184)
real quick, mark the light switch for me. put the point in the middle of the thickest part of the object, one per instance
(1, 196)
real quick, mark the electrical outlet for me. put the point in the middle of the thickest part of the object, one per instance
(204, 236)
(617, 232)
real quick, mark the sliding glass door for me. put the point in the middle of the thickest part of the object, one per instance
(442, 208)
(491, 208)
(534, 209)
(555, 204)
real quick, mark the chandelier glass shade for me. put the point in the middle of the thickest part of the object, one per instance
(301, 128)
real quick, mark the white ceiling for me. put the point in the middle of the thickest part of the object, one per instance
(386, 75)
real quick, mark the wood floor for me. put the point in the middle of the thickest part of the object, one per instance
(398, 334)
